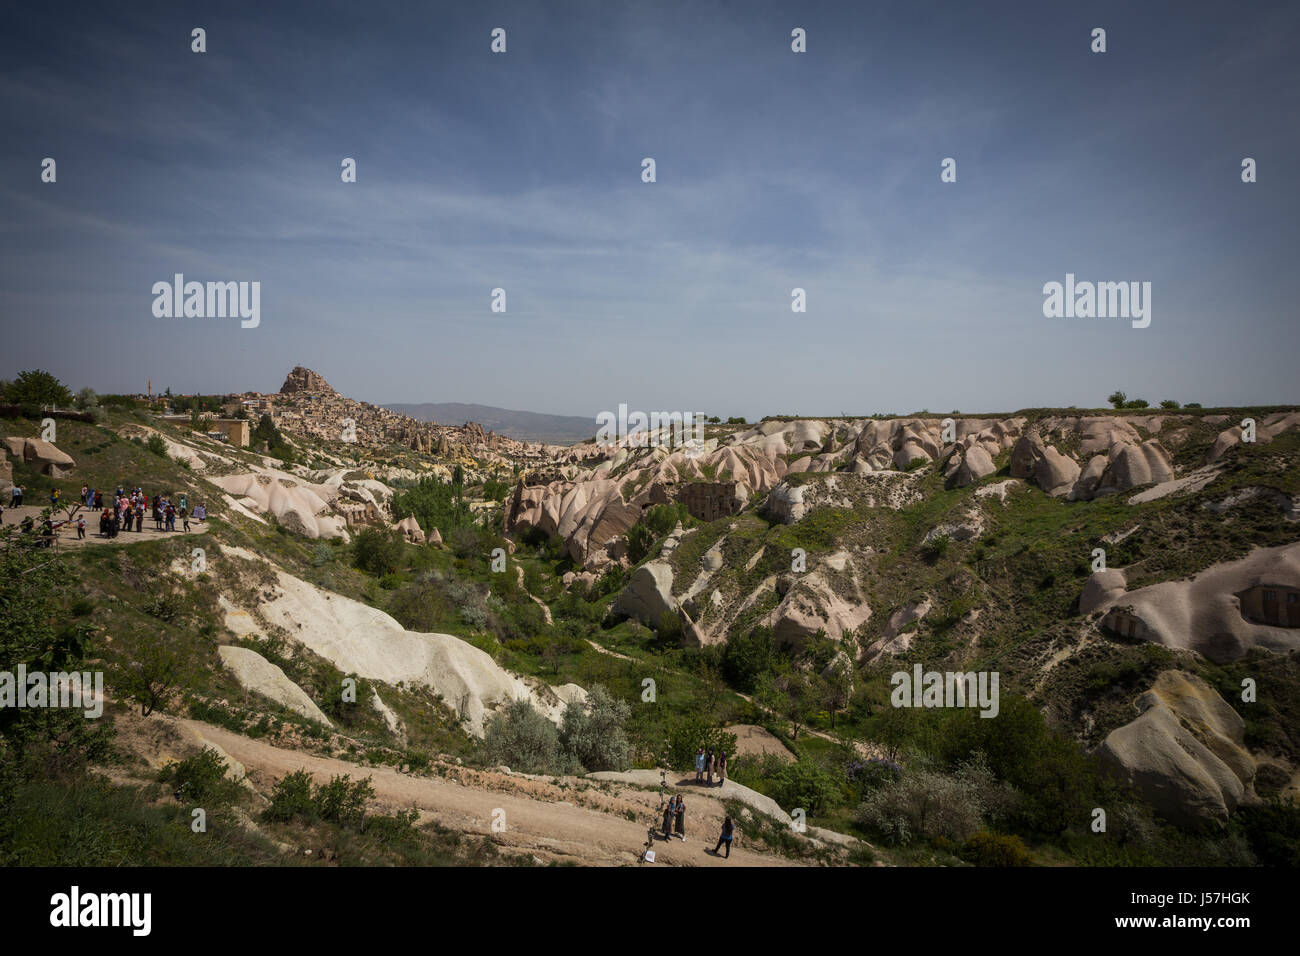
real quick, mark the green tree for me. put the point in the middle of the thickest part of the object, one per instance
(1117, 398)
(39, 742)
(158, 670)
(746, 657)
(435, 504)
(788, 694)
(379, 551)
(37, 387)
(639, 541)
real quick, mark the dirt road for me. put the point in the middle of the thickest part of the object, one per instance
(578, 821)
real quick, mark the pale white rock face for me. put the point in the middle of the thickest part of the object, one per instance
(46, 457)
(1086, 487)
(391, 720)
(1203, 614)
(299, 505)
(786, 503)
(1101, 589)
(410, 529)
(999, 490)
(648, 595)
(365, 641)
(254, 672)
(1185, 752)
(1265, 431)
(1134, 465)
(812, 605)
(1034, 460)
(969, 527)
(970, 466)
(895, 639)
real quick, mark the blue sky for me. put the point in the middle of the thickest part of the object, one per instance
(775, 170)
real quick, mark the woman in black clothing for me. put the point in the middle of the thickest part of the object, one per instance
(728, 831)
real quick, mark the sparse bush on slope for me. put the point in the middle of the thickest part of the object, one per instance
(593, 733)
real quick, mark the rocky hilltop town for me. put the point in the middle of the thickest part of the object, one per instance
(307, 406)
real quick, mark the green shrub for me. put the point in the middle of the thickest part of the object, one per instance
(688, 731)
(200, 779)
(435, 504)
(747, 656)
(378, 551)
(804, 784)
(639, 541)
(670, 628)
(291, 798)
(994, 849)
(343, 800)
(522, 739)
(593, 734)
(157, 445)
(926, 804)
(935, 548)
(662, 519)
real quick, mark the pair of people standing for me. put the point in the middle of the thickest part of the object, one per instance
(675, 818)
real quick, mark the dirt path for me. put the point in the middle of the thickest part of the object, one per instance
(579, 823)
(606, 650)
(66, 536)
(864, 748)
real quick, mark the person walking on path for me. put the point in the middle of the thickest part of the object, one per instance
(185, 518)
(679, 819)
(699, 765)
(728, 831)
(81, 528)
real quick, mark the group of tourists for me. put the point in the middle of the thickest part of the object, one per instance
(707, 764)
(123, 510)
(674, 825)
(129, 507)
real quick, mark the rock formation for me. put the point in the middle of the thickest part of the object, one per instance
(1185, 752)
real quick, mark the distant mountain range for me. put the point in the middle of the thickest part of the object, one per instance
(525, 426)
